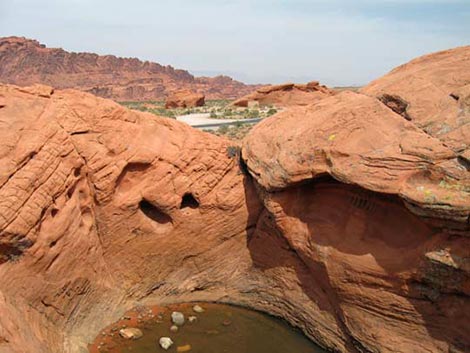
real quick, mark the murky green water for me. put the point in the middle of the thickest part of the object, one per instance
(219, 329)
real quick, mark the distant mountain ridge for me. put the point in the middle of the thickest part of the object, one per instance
(26, 61)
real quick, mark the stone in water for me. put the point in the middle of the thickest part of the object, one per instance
(165, 342)
(177, 318)
(192, 319)
(130, 333)
(198, 309)
(185, 348)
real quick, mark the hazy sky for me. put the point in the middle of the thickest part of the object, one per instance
(339, 42)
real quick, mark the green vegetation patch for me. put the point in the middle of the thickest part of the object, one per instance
(217, 109)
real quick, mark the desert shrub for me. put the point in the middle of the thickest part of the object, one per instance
(232, 151)
(252, 114)
(271, 111)
(223, 129)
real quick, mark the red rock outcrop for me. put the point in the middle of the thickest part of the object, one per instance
(103, 207)
(184, 99)
(378, 210)
(25, 62)
(286, 95)
(433, 92)
(343, 217)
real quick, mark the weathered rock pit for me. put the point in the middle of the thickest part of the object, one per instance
(352, 223)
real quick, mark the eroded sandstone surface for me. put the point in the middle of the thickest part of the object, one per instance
(345, 217)
(102, 207)
(25, 62)
(433, 92)
(378, 212)
(285, 95)
(372, 191)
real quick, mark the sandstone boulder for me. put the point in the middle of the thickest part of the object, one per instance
(184, 99)
(286, 95)
(358, 140)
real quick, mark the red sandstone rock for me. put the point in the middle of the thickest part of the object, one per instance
(102, 207)
(285, 95)
(378, 212)
(26, 62)
(361, 237)
(434, 91)
(358, 140)
(378, 276)
(184, 99)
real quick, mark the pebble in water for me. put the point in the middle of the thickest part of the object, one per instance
(227, 322)
(219, 329)
(192, 319)
(185, 348)
(198, 309)
(165, 342)
(177, 318)
(131, 333)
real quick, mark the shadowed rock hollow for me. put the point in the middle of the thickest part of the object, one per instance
(343, 217)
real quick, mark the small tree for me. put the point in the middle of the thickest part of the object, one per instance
(223, 129)
(271, 111)
(253, 114)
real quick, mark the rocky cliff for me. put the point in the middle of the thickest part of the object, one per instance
(345, 217)
(24, 62)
